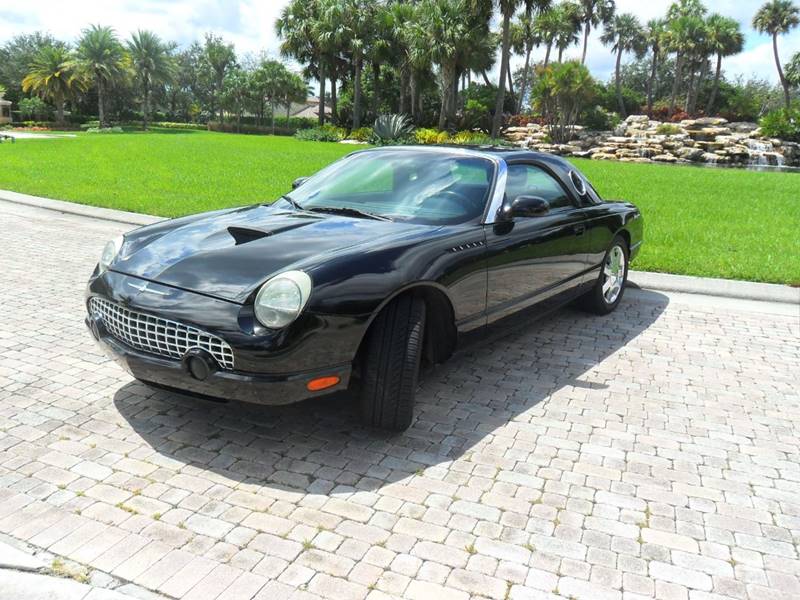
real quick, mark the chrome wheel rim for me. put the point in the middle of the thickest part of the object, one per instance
(614, 275)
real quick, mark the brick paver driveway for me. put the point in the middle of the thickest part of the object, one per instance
(653, 453)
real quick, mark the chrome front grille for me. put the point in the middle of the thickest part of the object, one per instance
(158, 336)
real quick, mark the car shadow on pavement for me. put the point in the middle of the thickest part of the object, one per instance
(489, 394)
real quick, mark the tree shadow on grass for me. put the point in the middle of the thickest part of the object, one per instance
(319, 446)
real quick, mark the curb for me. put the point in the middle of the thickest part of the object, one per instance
(663, 282)
(82, 210)
(722, 288)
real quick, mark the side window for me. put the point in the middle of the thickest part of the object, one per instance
(529, 180)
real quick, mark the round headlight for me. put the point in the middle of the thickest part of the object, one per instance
(281, 299)
(110, 253)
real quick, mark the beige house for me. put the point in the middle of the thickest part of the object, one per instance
(5, 110)
(308, 109)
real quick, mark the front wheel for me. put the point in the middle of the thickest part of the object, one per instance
(607, 292)
(391, 364)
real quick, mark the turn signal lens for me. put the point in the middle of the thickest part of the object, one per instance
(321, 383)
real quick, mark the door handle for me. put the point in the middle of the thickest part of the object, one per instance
(579, 230)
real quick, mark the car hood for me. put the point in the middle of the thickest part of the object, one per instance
(229, 254)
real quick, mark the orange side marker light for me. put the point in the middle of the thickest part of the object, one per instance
(322, 383)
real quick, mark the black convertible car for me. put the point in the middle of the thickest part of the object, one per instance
(374, 265)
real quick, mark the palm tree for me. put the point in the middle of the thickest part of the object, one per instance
(775, 18)
(525, 36)
(221, 58)
(153, 64)
(102, 58)
(441, 34)
(53, 76)
(507, 10)
(792, 70)
(297, 27)
(592, 14)
(294, 89)
(568, 27)
(546, 28)
(624, 34)
(685, 26)
(725, 38)
(654, 38)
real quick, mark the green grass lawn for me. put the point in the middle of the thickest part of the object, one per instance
(710, 222)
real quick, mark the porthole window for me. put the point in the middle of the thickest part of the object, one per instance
(578, 183)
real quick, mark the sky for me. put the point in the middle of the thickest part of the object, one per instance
(249, 24)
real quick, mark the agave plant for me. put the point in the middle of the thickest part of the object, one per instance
(389, 129)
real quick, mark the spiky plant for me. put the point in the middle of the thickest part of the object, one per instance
(390, 129)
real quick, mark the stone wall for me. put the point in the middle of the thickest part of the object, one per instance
(639, 139)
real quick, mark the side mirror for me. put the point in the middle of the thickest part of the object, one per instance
(526, 206)
(298, 182)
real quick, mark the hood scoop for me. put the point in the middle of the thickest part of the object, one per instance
(243, 235)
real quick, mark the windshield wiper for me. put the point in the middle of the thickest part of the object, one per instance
(348, 211)
(292, 202)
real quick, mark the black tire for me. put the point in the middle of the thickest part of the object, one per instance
(595, 300)
(390, 367)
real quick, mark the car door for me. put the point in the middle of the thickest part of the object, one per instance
(532, 259)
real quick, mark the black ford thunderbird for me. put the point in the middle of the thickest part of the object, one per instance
(377, 264)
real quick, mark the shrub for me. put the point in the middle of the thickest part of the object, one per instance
(561, 92)
(599, 119)
(33, 107)
(608, 99)
(476, 138)
(362, 134)
(783, 124)
(172, 125)
(325, 133)
(391, 129)
(523, 120)
(428, 136)
(668, 129)
(105, 130)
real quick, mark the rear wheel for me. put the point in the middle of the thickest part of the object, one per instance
(607, 292)
(391, 364)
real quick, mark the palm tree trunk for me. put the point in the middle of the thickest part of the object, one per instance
(219, 99)
(60, 107)
(560, 55)
(501, 88)
(586, 32)
(510, 80)
(622, 111)
(272, 112)
(334, 99)
(288, 112)
(676, 84)
(524, 86)
(547, 54)
(781, 75)
(701, 78)
(401, 109)
(145, 102)
(412, 84)
(357, 94)
(715, 89)
(451, 109)
(687, 104)
(486, 78)
(101, 109)
(651, 83)
(443, 111)
(376, 90)
(321, 73)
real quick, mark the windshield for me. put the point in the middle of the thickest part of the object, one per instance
(402, 185)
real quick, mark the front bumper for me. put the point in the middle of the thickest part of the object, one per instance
(267, 389)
